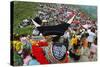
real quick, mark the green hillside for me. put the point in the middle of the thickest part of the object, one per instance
(23, 10)
(91, 11)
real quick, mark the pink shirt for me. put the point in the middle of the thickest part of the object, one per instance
(27, 59)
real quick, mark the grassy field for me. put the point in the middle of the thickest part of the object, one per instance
(23, 10)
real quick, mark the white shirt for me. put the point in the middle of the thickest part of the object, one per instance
(91, 36)
(66, 35)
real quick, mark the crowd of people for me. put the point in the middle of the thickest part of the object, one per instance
(78, 44)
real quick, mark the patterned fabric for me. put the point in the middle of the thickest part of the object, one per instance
(59, 51)
(50, 55)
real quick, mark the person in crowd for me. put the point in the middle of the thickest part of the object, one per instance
(16, 48)
(91, 36)
(93, 51)
(84, 48)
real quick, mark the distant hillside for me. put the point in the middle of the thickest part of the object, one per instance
(90, 10)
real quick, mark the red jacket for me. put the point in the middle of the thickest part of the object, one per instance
(38, 53)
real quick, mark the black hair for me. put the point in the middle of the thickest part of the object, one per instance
(56, 39)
